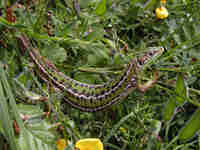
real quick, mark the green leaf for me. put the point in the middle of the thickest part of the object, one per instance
(4, 22)
(181, 90)
(37, 132)
(191, 127)
(169, 110)
(7, 104)
(34, 141)
(3, 4)
(101, 7)
(55, 53)
(5, 118)
(10, 96)
(156, 127)
(30, 110)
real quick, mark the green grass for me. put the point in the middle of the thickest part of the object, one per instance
(92, 45)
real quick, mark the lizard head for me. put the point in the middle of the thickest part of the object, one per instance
(150, 57)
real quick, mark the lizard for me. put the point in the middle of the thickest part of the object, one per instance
(93, 97)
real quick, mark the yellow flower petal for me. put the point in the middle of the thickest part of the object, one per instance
(163, 1)
(161, 13)
(89, 144)
(61, 144)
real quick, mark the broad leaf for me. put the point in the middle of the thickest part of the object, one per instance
(37, 130)
(191, 127)
(170, 108)
(181, 90)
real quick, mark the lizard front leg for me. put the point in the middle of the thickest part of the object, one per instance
(143, 87)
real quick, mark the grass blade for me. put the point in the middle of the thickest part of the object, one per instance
(5, 116)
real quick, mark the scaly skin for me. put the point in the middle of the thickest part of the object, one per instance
(90, 97)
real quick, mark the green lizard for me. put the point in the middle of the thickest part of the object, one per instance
(91, 97)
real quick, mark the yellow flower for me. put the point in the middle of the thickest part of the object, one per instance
(161, 13)
(89, 144)
(61, 144)
(163, 1)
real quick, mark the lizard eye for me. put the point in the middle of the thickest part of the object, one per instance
(151, 53)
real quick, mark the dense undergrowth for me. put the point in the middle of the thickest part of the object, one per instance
(91, 41)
